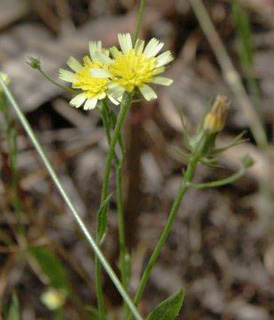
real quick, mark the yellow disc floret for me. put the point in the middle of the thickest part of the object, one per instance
(93, 87)
(132, 69)
(135, 66)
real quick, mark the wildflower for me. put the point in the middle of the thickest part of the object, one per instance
(92, 88)
(134, 66)
(215, 119)
(5, 78)
(54, 298)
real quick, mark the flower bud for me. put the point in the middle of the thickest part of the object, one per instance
(215, 119)
(34, 63)
(247, 161)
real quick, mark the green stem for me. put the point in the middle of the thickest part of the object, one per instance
(10, 132)
(171, 217)
(121, 226)
(126, 101)
(139, 20)
(107, 122)
(99, 288)
(220, 183)
(45, 75)
(68, 202)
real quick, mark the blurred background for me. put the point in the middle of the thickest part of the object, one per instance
(221, 249)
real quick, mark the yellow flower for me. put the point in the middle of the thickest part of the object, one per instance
(93, 88)
(5, 78)
(134, 67)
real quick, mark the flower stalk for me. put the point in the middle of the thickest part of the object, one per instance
(108, 122)
(125, 104)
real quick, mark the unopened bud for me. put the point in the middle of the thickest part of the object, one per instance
(215, 119)
(34, 63)
(247, 161)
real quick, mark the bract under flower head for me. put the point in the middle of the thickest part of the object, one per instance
(93, 88)
(135, 66)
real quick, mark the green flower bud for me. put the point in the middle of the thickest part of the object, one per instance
(247, 161)
(34, 63)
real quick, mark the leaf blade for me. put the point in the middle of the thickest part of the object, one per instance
(14, 313)
(102, 218)
(169, 308)
(52, 266)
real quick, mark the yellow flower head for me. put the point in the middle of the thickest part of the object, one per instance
(93, 88)
(5, 78)
(134, 67)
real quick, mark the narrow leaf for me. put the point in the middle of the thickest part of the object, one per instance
(51, 266)
(14, 313)
(102, 214)
(169, 308)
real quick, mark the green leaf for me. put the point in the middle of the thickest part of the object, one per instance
(102, 214)
(51, 266)
(169, 308)
(14, 313)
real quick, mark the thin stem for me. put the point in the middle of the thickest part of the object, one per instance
(168, 226)
(121, 226)
(139, 19)
(99, 288)
(107, 122)
(126, 101)
(10, 132)
(245, 50)
(45, 75)
(220, 183)
(68, 202)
